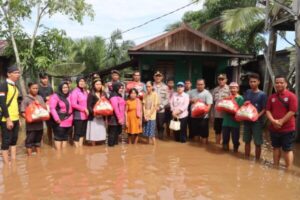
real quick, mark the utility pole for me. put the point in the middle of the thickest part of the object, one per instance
(270, 52)
(296, 9)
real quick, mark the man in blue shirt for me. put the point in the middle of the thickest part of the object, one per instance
(254, 129)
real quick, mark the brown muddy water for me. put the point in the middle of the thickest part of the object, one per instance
(167, 171)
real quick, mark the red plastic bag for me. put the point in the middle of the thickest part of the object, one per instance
(247, 112)
(35, 112)
(103, 108)
(228, 105)
(199, 108)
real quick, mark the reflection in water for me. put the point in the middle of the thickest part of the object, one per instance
(167, 171)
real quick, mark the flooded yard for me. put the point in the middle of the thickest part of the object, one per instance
(167, 171)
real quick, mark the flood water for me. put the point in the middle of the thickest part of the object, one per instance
(167, 171)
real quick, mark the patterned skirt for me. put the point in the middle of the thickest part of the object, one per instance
(149, 128)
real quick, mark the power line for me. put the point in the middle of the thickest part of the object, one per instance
(157, 18)
(143, 37)
(146, 36)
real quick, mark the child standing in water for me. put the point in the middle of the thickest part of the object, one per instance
(133, 116)
(150, 106)
(230, 126)
(34, 131)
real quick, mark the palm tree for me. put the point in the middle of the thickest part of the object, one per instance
(253, 16)
(173, 26)
(258, 19)
(116, 51)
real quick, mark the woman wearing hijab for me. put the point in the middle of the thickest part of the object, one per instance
(96, 130)
(116, 121)
(61, 112)
(79, 104)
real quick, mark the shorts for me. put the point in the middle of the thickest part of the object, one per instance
(283, 140)
(253, 130)
(61, 133)
(200, 127)
(218, 125)
(9, 137)
(33, 138)
(80, 127)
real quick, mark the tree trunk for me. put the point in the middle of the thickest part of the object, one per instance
(16, 51)
(37, 24)
(270, 55)
(22, 81)
(297, 67)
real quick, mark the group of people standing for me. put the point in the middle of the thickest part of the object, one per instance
(143, 109)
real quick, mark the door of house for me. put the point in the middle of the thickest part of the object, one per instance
(209, 74)
(167, 68)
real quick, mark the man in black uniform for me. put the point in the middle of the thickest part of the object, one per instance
(45, 91)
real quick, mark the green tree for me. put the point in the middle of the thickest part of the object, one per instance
(91, 51)
(173, 26)
(258, 19)
(252, 17)
(97, 53)
(117, 49)
(51, 46)
(209, 21)
(13, 12)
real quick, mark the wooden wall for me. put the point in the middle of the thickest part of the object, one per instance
(184, 41)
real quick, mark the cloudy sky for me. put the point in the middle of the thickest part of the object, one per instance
(124, 14)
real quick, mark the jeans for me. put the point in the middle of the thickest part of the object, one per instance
(235, 136)
(181, 135)
(160, 122)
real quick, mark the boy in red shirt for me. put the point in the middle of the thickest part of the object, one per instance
(280, 110)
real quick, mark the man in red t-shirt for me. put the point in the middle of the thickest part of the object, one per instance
(137, 84)
(281, 109)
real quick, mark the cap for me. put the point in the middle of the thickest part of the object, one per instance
(233, 84)
(12, 69)
(158, 73)
(115, 72)
(180, 83)
(222, 76)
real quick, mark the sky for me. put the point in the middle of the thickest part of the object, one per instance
(124, 14)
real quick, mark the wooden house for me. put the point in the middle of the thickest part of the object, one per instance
(4, 60)
(185, 53)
